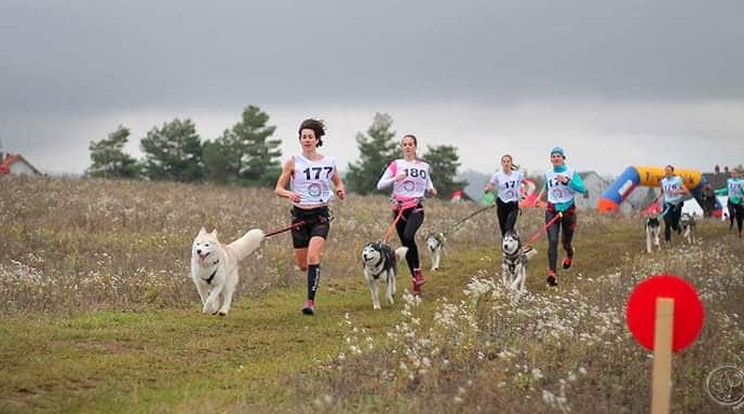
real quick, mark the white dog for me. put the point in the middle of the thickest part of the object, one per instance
(687, 227)
(381, 263)
(214, 267)
(435, 244)
(514, 261)
(653, 230)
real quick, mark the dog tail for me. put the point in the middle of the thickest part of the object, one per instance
(400, 253)
(530, 252)
(247, 244)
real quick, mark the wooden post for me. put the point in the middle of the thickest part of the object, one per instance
(662, 373)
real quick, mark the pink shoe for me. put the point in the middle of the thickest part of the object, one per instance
(309, 308)
(418, 281)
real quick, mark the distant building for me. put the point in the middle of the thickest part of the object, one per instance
(595, 186)
(16, 164)
(716, 179)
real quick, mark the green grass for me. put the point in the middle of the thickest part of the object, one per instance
(180, 360)
(98, 313)
(133, 362)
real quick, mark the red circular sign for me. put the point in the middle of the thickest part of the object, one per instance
(688, 310)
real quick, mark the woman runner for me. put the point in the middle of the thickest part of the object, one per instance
(509, 183)
(411, 179)
(561, 183)
(309, 176)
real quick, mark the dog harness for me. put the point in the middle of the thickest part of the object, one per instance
(517, 258)
(211, 277)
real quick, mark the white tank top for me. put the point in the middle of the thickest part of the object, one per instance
(670, 186)
(735, 187)
(557, 191)
(311, 179)
(417, 181)
(509, 185)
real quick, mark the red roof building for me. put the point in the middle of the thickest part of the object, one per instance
(16, 164)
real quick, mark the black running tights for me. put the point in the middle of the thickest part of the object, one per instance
(407, 226)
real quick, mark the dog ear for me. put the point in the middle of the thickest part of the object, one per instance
(202, 230)
(214, 233)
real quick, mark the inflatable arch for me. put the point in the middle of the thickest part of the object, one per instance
(634, 176)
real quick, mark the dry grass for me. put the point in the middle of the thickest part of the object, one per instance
(78, 245)
(97, 265)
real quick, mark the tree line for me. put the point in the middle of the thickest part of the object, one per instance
(246, 154)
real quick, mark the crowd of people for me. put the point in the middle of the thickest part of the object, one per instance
(307, 180)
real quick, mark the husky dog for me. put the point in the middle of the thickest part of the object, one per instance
(435, 244)
(687, 227)
(214, 267)
(381, 263)
(653, 230)
(514, 261)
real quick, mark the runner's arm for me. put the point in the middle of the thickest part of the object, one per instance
(283, 181)
(577, 184)
(388, 177)
(339, 184)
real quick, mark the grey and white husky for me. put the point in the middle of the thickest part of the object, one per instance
(435, 245)
(653, 230)
(381, 265)
(514, 261)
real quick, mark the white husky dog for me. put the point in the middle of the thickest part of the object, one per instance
(381, 263)
(214, 267)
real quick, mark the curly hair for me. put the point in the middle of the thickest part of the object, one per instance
(317, 127)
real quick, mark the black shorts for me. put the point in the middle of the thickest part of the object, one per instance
(316, 223)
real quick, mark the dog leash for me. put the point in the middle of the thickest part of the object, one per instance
(291, 227)
(466, 218)
(285, 229)
(391, 228)
(540, 232)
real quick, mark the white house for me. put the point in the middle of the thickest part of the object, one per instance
(595, 186)
(16, 164)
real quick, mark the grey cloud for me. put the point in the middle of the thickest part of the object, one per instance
(88, 55)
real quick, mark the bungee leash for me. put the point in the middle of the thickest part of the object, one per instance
(403, 207)
(466, 218)
(545, 227)
(291, 227)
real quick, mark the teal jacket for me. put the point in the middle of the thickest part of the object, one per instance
(733, 183)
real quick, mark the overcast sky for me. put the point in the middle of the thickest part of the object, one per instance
(634, 82)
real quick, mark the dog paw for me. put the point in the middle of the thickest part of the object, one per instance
(222, 313)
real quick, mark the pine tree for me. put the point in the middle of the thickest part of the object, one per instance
(108, 159)
(444, 163)
(244, 153)
(173, 152)
(376, 150)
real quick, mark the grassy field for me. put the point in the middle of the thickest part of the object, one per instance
(98, 312)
